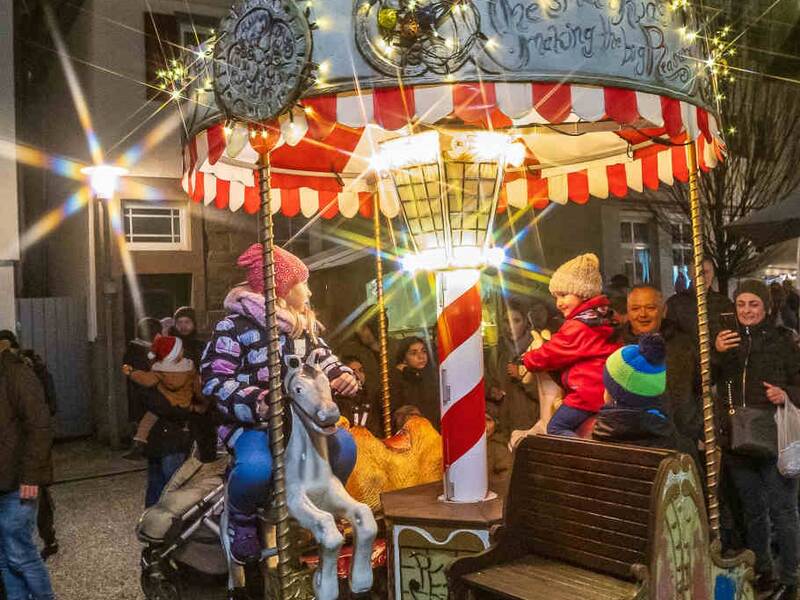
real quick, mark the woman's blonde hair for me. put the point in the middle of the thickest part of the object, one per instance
(302, 321)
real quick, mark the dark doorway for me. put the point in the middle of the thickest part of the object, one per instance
(161, 296)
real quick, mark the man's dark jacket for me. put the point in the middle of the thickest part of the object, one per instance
(26, 433)
(682, 311)
(684, 403)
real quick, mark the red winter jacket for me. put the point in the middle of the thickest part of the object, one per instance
(579, 349)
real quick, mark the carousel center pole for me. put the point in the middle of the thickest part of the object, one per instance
(276, 439)
(382, 333)
(462, 385)
(712, 458)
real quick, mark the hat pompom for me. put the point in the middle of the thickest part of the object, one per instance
(653, 348)
(151, 355)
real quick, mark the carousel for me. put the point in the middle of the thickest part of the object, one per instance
(435, 116)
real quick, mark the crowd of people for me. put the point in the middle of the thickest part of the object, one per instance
(627, 361)
(618, 364)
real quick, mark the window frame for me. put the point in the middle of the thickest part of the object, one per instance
(185, 243)
(687, 247)
(629, 247)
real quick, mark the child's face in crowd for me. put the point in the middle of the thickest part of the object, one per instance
(539, 315)
(517, 325)
(184, 325)
(358, 371)
(298, 297)
(416, 356)
(490, 426)
(566, 303)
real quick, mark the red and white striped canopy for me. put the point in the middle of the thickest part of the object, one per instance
(325, 148)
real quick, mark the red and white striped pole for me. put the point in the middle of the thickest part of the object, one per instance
(460, 348)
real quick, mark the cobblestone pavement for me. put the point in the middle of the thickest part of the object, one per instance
(95, 521)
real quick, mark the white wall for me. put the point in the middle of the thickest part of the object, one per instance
(9, 224)
(8, 319)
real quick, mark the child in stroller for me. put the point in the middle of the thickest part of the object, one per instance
(181, 538)
(181, 531)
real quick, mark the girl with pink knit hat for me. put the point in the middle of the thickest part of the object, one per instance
(235, 372)
(580, 347)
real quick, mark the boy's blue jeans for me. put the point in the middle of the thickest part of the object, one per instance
(248, 484)
(566, 420)
(24, 575)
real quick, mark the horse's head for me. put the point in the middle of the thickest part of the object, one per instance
(310, 392)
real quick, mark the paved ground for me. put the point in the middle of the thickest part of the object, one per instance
(95, 520)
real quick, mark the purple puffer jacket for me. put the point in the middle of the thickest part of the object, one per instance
(234, 366)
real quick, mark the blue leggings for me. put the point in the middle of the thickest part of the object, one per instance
(249, 481)
(567, 420)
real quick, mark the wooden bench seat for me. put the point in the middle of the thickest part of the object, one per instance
(587, 520)
(538, 577)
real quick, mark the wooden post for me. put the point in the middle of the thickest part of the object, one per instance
(709, 435)
(382, 332)
(276, 438)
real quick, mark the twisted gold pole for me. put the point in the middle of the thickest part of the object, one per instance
(709, 435)
(382, 334)
(276, 440)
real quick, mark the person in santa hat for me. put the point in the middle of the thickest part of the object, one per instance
(234, 370)
(175, 378)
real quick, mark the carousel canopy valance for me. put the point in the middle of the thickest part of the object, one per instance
(604, 95)
(581, 141)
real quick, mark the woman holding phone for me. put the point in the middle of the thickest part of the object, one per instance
(758, 366)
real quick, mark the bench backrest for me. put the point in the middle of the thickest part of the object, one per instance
(584, 502)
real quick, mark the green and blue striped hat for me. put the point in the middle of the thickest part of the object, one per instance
(636, 375)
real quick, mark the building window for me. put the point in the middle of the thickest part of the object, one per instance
(682, 255)
(636, 250)
(154, 226)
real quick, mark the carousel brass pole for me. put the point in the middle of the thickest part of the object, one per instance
(382, 333)
(276, 438)
(712, 458)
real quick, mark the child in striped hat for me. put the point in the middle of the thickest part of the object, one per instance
(635, 379)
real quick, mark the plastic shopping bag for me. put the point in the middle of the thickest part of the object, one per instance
(787, 419)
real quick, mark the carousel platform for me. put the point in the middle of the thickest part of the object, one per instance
(426, 534)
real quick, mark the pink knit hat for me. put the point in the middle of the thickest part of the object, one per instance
(289, 270)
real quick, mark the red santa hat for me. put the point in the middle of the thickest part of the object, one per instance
(289, 270)
(165, 348)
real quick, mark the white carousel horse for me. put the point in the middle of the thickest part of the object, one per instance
(549, 394)
(314, 495)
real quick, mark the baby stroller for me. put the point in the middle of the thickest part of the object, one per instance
(181, 532)
(183, 544)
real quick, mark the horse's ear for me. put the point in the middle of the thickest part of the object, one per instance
(292, 361)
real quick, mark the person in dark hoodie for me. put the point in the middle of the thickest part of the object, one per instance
(414, 381)
(646, 311)
(517, 402)
(635, 412)
(758, 365)
(185, 328)
(25, 466)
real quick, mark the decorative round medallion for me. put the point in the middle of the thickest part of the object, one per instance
(262, 60)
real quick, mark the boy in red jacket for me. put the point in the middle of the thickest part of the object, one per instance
(580, 347)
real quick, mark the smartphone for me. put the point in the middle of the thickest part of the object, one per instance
(728, 321)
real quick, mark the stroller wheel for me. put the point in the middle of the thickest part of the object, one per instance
(157, 586)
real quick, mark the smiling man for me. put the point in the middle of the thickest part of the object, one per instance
(646, 311)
